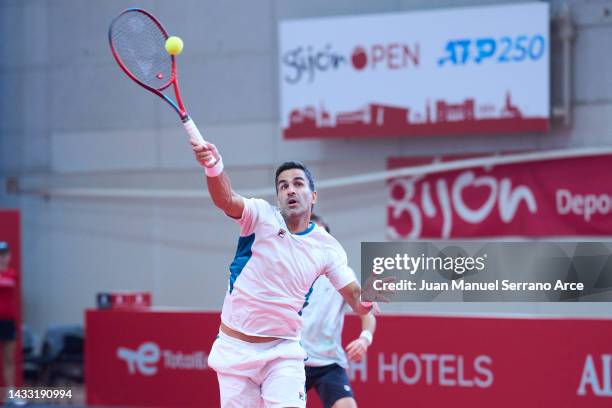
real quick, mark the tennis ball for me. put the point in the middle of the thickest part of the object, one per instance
(174, 45)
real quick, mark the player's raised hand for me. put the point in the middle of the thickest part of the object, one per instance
(369, 293)
(357, 349)
(206, 154)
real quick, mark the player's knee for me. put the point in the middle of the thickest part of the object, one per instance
(346, 402)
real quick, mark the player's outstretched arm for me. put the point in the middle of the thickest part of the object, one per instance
(218, 182)
(368, 322)
(357, 348)
(352, 294)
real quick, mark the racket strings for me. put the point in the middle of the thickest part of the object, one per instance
(140, 45)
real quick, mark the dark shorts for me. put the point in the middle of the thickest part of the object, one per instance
(7, 330)
(331, 383)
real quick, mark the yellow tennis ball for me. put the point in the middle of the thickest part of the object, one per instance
(174, 45)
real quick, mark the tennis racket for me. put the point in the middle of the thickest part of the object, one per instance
(137, 41)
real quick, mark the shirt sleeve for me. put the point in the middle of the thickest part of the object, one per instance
(338, 271)
(251, 215)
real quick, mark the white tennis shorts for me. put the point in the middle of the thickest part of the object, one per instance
(258, 375)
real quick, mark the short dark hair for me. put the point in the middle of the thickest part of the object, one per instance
(317, 219)
(294, 165)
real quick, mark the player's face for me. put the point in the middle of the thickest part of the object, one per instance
(294, 195)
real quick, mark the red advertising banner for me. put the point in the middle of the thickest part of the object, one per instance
(10, 231)
(562, 197)
(158, 359)
(150, 358)
(422, 361)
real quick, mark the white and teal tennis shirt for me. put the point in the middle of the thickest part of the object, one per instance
(274, 270)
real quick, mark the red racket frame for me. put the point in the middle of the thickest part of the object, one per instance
(178, 105)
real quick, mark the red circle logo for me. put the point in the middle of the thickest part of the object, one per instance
(359, 58)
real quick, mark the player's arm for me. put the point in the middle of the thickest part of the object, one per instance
(352, 295)
(368, 323)
(218, 182)
(358, 347)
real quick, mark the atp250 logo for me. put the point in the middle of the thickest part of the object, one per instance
(502, 50)
(304, 63)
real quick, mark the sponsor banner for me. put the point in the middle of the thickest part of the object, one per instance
(424, 361)
(400, 74)
(123, 300)
(150, 358)
(548, 198)
(473, 271)
(157, 359)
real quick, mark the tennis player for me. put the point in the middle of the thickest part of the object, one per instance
(8, 317)
(257, 355)
(322, 339)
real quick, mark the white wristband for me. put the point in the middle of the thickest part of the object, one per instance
(366, 304)
(215, 170)
(367, 335)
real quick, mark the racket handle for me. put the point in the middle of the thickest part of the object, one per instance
(192, 131)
